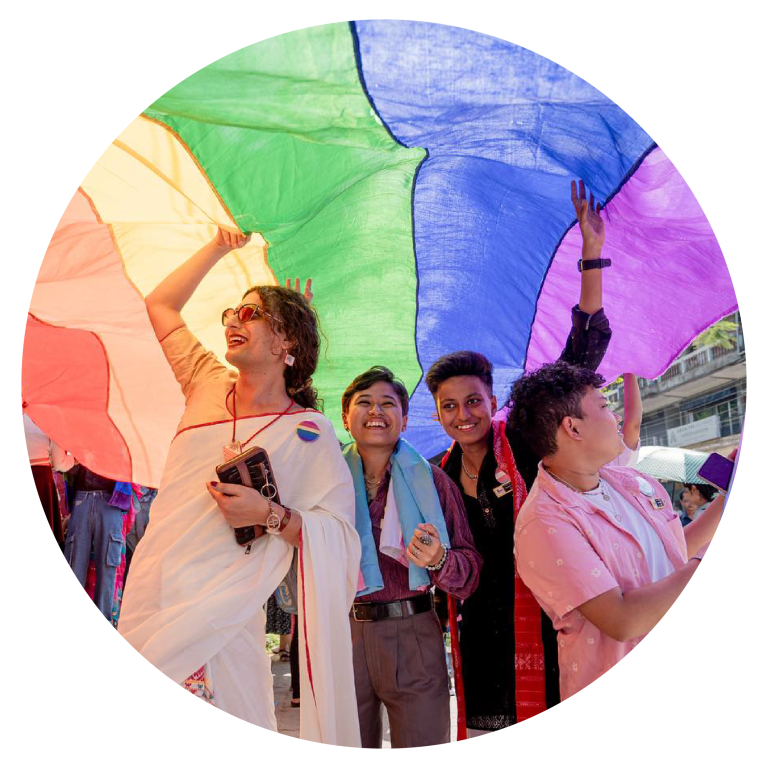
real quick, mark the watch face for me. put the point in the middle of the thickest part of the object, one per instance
(273, 523)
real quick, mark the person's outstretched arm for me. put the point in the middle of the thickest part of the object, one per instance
(633, 411)
(700, 531)
(165, 302)
(593, 237)
(590, 330)
(562, 569)
(637, 611)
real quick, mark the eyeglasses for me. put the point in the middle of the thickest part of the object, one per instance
(245, 313)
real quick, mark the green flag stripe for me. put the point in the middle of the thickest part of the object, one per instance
(286, 134)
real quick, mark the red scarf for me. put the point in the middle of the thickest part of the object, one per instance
(530, 688)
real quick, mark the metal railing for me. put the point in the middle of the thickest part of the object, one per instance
(729, 425)
(700, 362)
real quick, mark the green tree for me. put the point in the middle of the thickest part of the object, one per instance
(721, 334)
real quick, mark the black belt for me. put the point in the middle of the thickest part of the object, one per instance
(397, 609)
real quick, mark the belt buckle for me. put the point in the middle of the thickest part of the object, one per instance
(354, 615)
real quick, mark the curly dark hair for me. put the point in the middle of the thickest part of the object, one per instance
(542, 399)
(368, 379)
(297, 319)
(464, 363)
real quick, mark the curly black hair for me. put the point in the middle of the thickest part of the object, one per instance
(297, 319)
(542, 399)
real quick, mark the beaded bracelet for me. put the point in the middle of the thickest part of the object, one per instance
(438, 565)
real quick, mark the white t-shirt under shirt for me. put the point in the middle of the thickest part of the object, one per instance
(632, 521)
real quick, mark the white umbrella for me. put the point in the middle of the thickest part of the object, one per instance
(665, 463)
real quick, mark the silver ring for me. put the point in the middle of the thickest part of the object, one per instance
(414, 552)
(425, 539)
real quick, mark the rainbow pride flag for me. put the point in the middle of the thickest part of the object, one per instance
(418, 173)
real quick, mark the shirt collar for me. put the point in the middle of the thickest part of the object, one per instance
(453, 465)
(567, 497)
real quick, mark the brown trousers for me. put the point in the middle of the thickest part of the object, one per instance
(400, 663)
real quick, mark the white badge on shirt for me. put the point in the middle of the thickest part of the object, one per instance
(647, 490)
(645, 487)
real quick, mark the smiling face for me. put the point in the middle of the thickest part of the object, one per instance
(254, 343)
(465, 407)
(375, 416)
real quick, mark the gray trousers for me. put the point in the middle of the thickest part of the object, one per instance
(400, 663)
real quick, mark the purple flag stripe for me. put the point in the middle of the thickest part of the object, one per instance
(668, 280)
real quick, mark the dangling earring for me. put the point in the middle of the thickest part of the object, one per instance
(289, 359)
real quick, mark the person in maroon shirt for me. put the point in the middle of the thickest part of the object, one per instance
(397, 638)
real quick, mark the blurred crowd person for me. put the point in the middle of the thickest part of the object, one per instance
(48, 460)
(700, 496)
(96, 521)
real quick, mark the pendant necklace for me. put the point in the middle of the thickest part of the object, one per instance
(371, 486)
(466, 471)
(235, 448)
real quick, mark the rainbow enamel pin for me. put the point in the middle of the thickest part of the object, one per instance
(308, 431)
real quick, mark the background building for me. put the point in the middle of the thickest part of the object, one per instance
(699, 402)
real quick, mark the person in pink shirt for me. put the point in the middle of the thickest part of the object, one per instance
(600, 547)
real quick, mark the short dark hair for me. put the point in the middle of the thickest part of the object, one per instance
(464, 363)
(707, 491)
(368, 379)
(542, 399)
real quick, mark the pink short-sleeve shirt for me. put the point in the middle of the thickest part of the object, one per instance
(569, 551)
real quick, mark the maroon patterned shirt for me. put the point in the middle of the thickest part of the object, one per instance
(461, 571)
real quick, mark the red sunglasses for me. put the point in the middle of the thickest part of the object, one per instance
(245, 313)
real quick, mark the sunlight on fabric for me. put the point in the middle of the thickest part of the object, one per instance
(161, 209)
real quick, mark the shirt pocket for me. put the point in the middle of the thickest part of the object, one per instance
(668, 515)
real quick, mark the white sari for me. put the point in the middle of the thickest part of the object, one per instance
(195, 598)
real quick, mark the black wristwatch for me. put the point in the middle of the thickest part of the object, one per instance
(593, 264)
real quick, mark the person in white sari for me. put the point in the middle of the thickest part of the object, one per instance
(193, 605)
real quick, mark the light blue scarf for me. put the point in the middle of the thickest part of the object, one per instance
(417, 502)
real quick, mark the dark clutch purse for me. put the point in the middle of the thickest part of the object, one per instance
(251, 468)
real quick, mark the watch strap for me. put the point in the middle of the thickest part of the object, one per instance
(585, 264)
